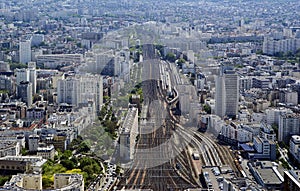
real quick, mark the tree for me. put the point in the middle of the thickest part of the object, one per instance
(83, 147)
(180, 62)
(47, 182)
(106, 98)
(13, 66)
(118, 169)
(4, 179)
(66, 155)
(88, 169)
(171, 57)
(207, 109)
(86, 161)
(68, 164)
(24, 152)
(79, 45)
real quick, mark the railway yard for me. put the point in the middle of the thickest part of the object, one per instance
(164, 153)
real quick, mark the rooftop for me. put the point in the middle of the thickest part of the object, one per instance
(268, 176)
(129, 120)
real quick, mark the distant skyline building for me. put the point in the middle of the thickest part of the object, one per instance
(25, 51)
(227, 94)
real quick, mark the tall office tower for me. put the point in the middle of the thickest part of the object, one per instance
(32, 75)
(25, 51)
(227, 94)
(24, 92)
(220, 96)
(289, 124)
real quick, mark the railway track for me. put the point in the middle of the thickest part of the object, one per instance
(157, 152)
(220, 153)
(153, 165)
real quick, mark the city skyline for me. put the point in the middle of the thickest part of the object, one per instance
(149, 95)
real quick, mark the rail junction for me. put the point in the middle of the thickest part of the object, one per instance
(162, 159)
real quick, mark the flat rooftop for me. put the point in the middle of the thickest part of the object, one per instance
(129, 120)
(268, 176)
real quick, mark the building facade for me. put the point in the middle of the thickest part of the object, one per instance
(289, 124)
(25, 51)
(24, 92)
(227, 94)
(291, 180)
(33, 143)
(81, 89)
(47, 152)
(295, 147)
(128, 134)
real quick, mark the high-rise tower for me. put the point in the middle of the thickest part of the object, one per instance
(227, 94)
(25, 51)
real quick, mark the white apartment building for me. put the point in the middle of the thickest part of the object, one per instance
(68, 182)
(128, 134)
(272, 114)
(81, 89)
(267, 132)
(25, 51)
(22, 74)
(47, 152)
(200, 82)
(291, 97)
(187, 95)
(68, 90)
(27, 75)
(25, 182)
(272, 46)
(32, 75)
(295, 147)
(289, 124)
(33, 142)
(265, 148)
(62, 182)
(54, 60)
(9, 148)
(236, 133)
(245, 83)
(220, 97)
